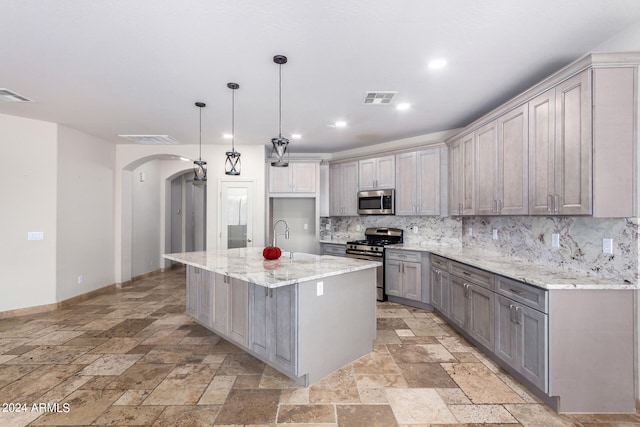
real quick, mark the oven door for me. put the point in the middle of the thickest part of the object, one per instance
(379, 272)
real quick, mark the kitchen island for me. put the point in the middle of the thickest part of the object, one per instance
(304, 315)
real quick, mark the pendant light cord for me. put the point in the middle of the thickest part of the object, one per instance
(233, 120)
(280, 102)
(200, 155)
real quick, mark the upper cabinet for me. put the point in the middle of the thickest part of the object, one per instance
(343, 189)
(560, 149)
(377, 173)
(295, 179)
(418, 182)
(462, 175)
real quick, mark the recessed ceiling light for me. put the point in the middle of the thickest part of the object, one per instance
(296, 136)
(340, 124)
(227, 136)
(437, 63)
(403, 106)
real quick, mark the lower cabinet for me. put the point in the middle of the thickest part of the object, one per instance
(200, 295)
(521, 339)
(472, 309)
(403, 274)
(273, 330)
(440, 292)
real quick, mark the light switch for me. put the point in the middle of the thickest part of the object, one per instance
(415, 229)
(306, 226)
(607, 246)
(320, 288)
(495, 234)
(555, 240)
(35, 235)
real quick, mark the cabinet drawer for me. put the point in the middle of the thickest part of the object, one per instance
(403, 255)
(336, 250)
(528, 295)
(439, 262)
(471, 274)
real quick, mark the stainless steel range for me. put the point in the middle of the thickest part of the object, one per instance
(372, 248)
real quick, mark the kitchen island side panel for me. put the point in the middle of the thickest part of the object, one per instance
(591, 335)
(338, 326)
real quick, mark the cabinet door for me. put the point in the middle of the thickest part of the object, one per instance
(458, 299)
(406, 177)
(412, 280)
(455, 178)
(279, 179)
(541, 152)
(486, 166)
(303, 177)
(468, 175)
(349, 195)
(386, 172)
(392, 277)
(193, 290)
(258, 327)
(205, 298)
(573, 142)
(533, 345)
(335, 190)
(239, 311)
(428, 185)
(505, 331)
(444, 284)
(221, 304)
(283, 321)
(480, 324)
(513, 171)
(366, 174)
(436, 289)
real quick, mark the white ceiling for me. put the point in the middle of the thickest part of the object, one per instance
(137, 67)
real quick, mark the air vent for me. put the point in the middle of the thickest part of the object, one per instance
(379, 97)
(9, 96)
(151, 139)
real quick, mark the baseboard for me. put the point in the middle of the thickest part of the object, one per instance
(114, 287)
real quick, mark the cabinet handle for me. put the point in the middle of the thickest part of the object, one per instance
(517, 322)
(466, 273)
(556, 203)
(549, 202)
(495, 206)
(499, 206)
(511, 313)
(459, 208)
(515, 291)
(466, 291)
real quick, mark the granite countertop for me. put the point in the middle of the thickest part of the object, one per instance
(519, 269)
(249, 265)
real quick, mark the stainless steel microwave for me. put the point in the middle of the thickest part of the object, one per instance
(377, 202)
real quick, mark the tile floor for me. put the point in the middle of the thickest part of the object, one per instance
(133, 357)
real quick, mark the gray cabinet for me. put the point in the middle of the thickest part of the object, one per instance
(343, 189)
(440, 292)
(273, 330)
(462, 175)
(403, 274)
(377, 173)
(560, 151)
(334, 249)
(472, 302)
(418, 182)
(486, 165)
(296, 178)
(200, 295)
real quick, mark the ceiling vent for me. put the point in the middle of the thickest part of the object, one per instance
(8, 96)
(379, 97)
(151, 139)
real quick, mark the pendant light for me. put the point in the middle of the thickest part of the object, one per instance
(280, 143)
(200, 166)
(232, 163)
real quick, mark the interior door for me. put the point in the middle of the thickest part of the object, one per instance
(235, 212)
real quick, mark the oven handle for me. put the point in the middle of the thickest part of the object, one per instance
(364, 257)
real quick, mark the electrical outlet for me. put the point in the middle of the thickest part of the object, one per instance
(358, 228)
(495, 234)
(555, 240)
(470, 231)
(80, 279)
(305, 226)
(35, 235)
(327, 227)
(415, 229)
(607, 246)
(320, 288)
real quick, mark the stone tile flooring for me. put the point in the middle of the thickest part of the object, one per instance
(133, 357)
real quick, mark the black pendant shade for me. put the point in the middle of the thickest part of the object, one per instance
(232, 162)
(200, 166)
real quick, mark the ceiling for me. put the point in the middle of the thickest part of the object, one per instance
(137, 67)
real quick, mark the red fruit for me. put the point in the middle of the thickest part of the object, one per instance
(271, 252)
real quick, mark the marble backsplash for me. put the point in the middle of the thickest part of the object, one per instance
(524, 237)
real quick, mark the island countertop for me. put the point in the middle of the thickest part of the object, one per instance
(248, 264)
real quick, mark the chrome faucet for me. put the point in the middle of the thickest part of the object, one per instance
(286, 231)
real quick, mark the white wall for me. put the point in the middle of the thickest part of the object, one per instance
(146, 214)
(28, 168)
(85, 215)
(296, 212)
